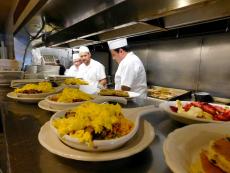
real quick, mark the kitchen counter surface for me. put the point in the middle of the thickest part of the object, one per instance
(21, 125)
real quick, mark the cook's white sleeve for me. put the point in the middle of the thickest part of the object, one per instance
(101, 72)
(128, 75)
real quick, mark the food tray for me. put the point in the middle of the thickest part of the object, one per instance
(168, 94)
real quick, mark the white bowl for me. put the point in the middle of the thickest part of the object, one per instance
(183, 145)
(104, 145)
(39, 95)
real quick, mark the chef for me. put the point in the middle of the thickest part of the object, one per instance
(130, 75)
(91, 70)
(74, 69)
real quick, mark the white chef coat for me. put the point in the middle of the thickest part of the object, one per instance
(131, 73)
(73, 72)
(92, 73)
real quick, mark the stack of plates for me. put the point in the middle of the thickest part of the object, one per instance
(7, 76)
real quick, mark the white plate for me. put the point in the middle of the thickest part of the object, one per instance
(56, 106)
(40, 95)
(133, 94)
(183, 145)
(183, 117)
(138, 143)
(13, 95)
(43, 104)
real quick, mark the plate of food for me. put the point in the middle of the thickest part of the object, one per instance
(69, 97)
(189, 112)
(118, 93)
(97, 127)
(33, 92)
(141, 140)
(199, 148)
(164, 93)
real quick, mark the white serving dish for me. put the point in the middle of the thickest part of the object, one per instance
(183, 145)
(53, 105)
(105, 145)
(183, 117)
(61, 105)
(14, 96)
(143, 138)
(40, 95)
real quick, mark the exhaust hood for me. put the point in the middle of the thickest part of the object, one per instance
(91, 22)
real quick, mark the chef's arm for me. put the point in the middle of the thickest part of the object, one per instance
(125, 88)
(103, 82)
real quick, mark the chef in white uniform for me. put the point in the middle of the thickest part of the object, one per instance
(74, 69)
(130, 75)
(90, 70)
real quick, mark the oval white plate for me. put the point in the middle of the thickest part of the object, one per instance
(138, 143)
(43, 104)
(61, 105)
(184, 144)
(13, 95)
(183, 117)
(40, 95)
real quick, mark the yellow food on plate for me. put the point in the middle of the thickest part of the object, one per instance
(75, 81)
(112, 92)
(92, 121)
(214, 159)
(71, 95)
(42, 87)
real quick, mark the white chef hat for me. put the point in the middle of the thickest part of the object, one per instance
(76, 57)
(118, 43)
(84, 49)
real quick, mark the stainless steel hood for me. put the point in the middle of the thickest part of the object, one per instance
(91, 22)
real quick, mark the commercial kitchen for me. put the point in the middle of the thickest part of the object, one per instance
(183, 47)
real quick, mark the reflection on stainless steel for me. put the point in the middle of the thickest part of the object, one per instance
(128, 30)
(199, 63)
(214, 68)
(173, 63)
(210, 11)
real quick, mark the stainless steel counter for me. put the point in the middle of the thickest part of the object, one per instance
(24, 154)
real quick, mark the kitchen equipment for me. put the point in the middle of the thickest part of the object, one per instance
(203, 97)
(7, 76)
(41, 71)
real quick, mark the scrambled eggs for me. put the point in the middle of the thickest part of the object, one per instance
(75, 81)
(91, 121)
(42, 87)
(70, 95)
